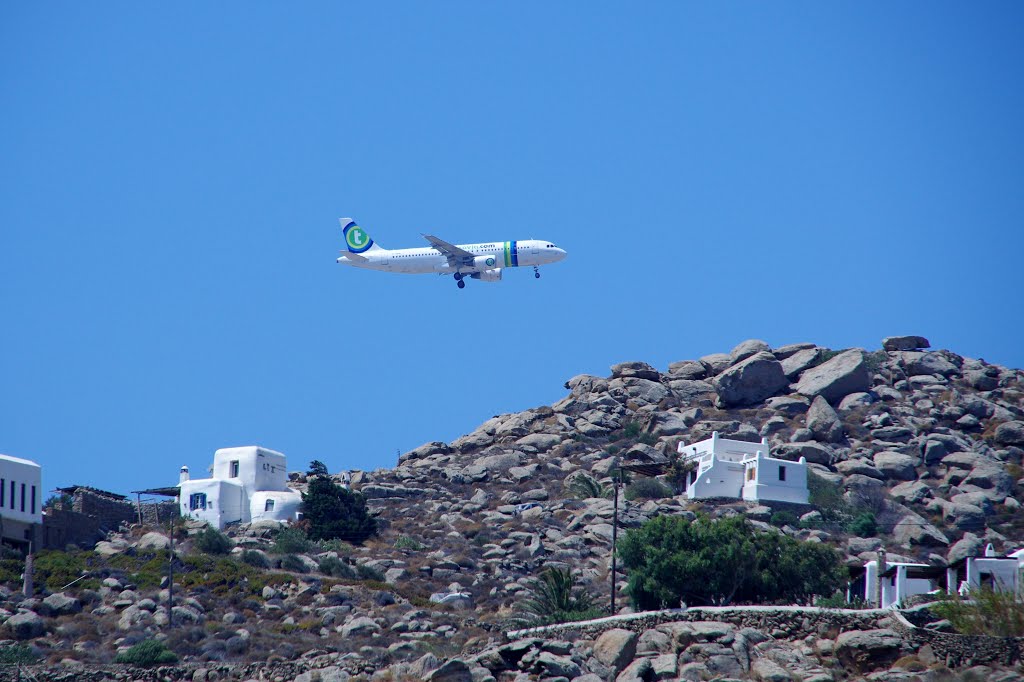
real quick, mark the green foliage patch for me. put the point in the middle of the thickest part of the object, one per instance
(334, 513)
(647, 489)
(996, 613)
(671, 559)
(556, 597)
(212, 541)
(147, 653)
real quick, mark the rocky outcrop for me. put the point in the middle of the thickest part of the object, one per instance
(750, 381)
(844, 374)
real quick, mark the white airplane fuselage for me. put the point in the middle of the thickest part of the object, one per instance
(488, 257)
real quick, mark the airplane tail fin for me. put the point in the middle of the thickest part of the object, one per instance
(356, 239)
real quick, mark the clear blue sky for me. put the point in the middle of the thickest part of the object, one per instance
(171, 175)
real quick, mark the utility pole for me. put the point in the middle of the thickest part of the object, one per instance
(881, 569)
(170, 578)
(28, 587)
(616, 483)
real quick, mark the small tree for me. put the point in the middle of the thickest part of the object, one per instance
(678, 471)
(334, 512)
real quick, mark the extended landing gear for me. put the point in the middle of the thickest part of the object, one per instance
(458, 280)
(461, 284)
(536, 272)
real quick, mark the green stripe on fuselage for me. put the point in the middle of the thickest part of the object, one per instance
(508, 254)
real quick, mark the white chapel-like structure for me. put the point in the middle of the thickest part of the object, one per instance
(736, 468)
(248, 484)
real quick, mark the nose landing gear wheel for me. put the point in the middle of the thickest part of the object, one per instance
(462, 285)
(536, 272)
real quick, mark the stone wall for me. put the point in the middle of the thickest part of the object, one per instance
(961, 650)
(110, 511)
(789, 622)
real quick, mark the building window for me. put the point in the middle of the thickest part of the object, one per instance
(234, 469)
(22, 498)
(12, 494)
(269, 506)
(3, 487)
(751, 473)
(33, 500)
(782, 473)
(197, 501)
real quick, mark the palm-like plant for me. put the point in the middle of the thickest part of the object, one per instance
(585, 486)
(555, 597)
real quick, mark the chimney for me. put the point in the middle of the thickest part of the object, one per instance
(990, 551)
(183, 476)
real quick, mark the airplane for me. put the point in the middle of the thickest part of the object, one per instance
(477, 261)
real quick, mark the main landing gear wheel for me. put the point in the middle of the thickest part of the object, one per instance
(536, 272)
(462, 285)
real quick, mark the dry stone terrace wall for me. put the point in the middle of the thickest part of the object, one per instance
(961, 650)
(778, 621)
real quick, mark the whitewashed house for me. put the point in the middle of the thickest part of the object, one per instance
(248, 484)
(21, 502)
(974, 572)
(736, 468)
(900, 581)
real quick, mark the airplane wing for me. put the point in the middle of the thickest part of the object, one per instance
(455, 255)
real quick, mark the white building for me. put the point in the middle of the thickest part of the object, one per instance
(974, 572)
(736, 468)
(247, 484)
(21, 502)
(899, 581)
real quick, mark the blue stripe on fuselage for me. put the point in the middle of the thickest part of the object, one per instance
(515, 255)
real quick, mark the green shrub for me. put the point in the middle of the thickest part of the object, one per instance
(671, 559)
(147, 653)
(55, 569)
(14, 654)
(647, 489)
(996, 613)
(406, 542)
(254, 558)
(631, 430)
(783, 518)
(212, 541)
(291, 562)
(333, 566)
(583, 486)
(291, 541)
(366, 572)
(864, 525)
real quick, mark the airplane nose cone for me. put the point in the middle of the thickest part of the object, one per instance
(561, 253)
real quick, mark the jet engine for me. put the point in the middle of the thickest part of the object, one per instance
(482, 263)
(493, 275)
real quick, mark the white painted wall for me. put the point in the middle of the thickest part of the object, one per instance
(244, 480)
(722, 471)
(21, 490)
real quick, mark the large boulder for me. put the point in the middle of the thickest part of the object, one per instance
(616, 648)
(844, 374)
(799, 361)
(892, 343)
(639, 370)
(750, 381)
(895, 465)
(914, 530)
(747, 349)
(452, 671)
(26, 625)
(866, 650)
(969, 545)
(60, 604)
(823, 421)
(1009, 433)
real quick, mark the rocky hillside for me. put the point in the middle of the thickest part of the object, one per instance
(928, 443)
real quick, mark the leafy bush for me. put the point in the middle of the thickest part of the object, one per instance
(334, 512)
(291, 562)
(290, 540)
(631, 430)
(334, 566)
(864, 525)
(671, 559)
(55, 569)
(254, 558)
(838, 601)
(996, 613)
(14, 654)
(147, 653)
(212, 541)
(828, 498)
(366, 572)
(783, 518)
(555, 597)
(406, 542)
(647, 489)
